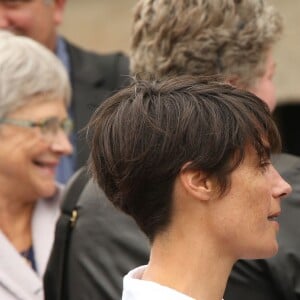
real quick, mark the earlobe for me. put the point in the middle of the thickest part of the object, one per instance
(59, 6)
(197, 184)
(234, 81)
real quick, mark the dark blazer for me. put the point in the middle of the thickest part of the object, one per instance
(277, 278)
(106, 244)
(94, 77)
(93, 252)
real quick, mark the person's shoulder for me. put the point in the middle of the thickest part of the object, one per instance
(90, 60)
(101, 71)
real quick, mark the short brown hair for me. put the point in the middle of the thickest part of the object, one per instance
(142, 137)
(204, 37)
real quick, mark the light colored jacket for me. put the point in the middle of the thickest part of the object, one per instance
(18, 281)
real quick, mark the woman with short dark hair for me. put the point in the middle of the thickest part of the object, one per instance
(189, 160)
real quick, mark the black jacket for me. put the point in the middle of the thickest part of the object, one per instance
(94, 77)
(91, 255)
(106, 245)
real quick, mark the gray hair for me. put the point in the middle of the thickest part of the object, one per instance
(204, 37)
(28, 69)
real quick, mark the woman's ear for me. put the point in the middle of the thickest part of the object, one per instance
(58, 10)
(235, 81)
(197, 183)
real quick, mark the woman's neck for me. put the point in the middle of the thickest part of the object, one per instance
(15, 222)
(198, 268)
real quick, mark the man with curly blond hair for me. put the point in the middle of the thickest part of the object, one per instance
(235, 39)
(206, 37)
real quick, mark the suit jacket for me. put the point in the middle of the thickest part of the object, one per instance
(277, 278)
(17, 278)
(94, 77)
(105, 245)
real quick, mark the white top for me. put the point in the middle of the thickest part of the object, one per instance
(134, 288)
(18, 281)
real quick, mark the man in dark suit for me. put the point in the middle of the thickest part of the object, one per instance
(93, 76)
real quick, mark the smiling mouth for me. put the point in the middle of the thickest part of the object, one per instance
(274, 217)
(46, 165)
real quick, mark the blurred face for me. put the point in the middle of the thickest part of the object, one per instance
(264, 87)
(246, 217)
(28, 158)
(36, 19)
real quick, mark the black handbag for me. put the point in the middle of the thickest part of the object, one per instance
(95, 246)
(55, 275)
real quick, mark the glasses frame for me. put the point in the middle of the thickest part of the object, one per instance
(48, 126)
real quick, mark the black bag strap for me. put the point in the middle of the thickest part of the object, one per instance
(55, 276)
(73, 191)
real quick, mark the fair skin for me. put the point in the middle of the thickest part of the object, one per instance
(209, 232)
(27, 166)
(264, 87)
(37, 19)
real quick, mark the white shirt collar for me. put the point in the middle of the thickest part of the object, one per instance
(137, 289)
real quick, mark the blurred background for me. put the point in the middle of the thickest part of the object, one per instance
(104, 26)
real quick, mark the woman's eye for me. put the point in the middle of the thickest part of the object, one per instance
(265, 164)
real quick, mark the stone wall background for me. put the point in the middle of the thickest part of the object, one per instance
(104, 26)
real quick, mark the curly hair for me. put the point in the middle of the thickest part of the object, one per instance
(204, 37)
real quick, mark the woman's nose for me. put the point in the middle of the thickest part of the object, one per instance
(61, 143)
(282, 188)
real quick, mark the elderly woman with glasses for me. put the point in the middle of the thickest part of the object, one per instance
(34, 128)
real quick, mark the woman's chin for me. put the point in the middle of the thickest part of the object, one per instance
(48, 190)
(264, 252)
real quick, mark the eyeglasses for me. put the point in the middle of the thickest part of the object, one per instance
(49, 127)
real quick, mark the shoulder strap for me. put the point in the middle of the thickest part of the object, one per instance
(54, 279)
(73, 190)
